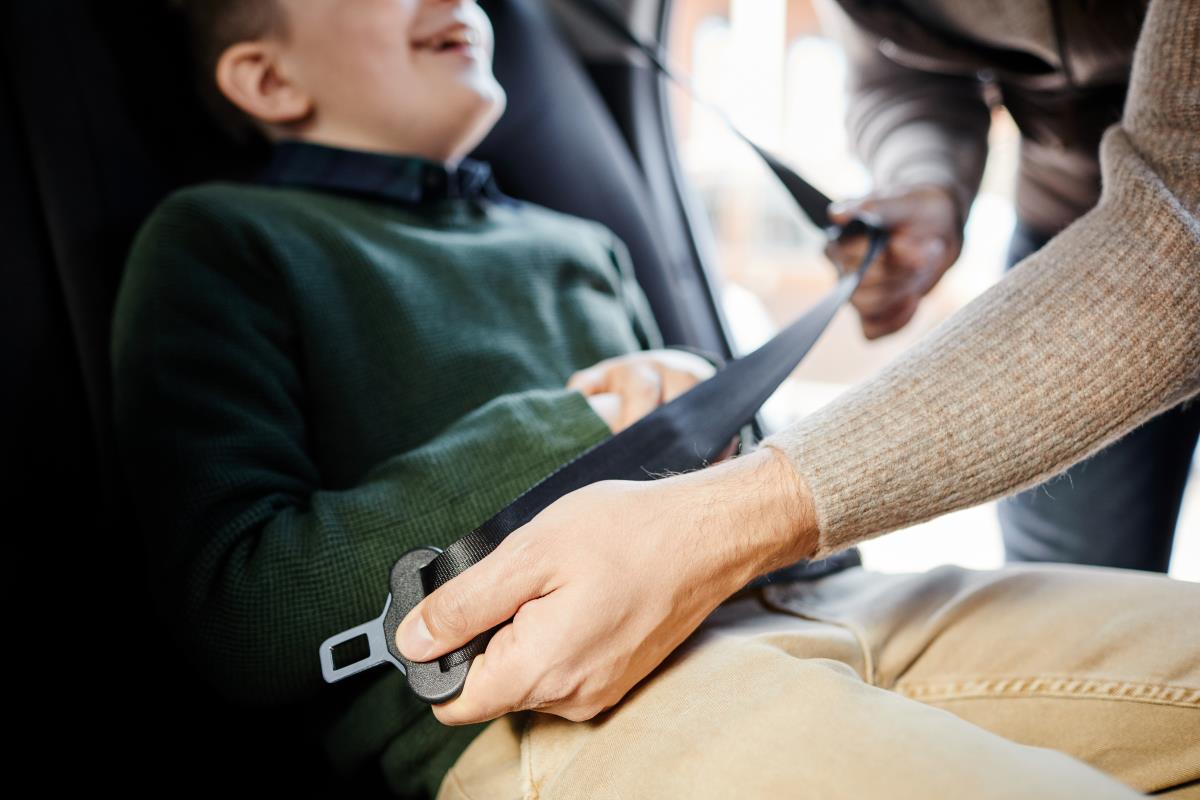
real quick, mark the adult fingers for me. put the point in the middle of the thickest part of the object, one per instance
(878, 307)
(499, 681)
(521, 668)
(890, 320)
(729, 450)
(846, 254)
(924, 256)
(842, 211)
(885, 209)
(483, 596)
(881, 289)
(906, 253)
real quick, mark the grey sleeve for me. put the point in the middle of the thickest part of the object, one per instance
(1099, 330)
(910, 126)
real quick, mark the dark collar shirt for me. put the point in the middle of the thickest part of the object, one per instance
(396, 178)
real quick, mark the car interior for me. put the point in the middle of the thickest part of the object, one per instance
(100, 119)
(98, 122)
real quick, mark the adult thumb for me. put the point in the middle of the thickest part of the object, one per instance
(842, 211)
(483, 596)
(884, 210)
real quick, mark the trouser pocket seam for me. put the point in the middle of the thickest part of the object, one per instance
(798, 610)
(530, 790)
(1064, 686)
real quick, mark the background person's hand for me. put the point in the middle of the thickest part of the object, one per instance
(926, 238)
(625, 388)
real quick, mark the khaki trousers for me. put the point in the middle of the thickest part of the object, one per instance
(1032, 681)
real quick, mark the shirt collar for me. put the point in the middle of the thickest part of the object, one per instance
(404, 179)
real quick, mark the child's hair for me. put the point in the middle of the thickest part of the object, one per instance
(215, 25)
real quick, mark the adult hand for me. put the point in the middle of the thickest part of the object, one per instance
(926, 238)
(604, 583)
(624, 388)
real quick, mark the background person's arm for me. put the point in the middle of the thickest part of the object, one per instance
(923, 136)
(1086, 339)
(910, 127)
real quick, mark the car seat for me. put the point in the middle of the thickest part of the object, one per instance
(98, 121)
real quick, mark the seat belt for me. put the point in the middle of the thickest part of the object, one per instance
(678, 436)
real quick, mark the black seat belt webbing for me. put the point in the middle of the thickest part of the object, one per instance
(678, 436)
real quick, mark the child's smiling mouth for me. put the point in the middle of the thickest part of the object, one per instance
(457, 38)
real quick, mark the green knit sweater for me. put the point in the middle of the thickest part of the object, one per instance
(308, 384)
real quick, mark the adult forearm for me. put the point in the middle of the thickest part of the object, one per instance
(751, 515)
(909, 126)
(654, 557)
(1094, 334)
(1085, 340)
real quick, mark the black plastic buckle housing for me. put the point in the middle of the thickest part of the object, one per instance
(427, 679)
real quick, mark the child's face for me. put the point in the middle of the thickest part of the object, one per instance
(408, 75)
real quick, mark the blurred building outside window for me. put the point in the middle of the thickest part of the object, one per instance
(769, 66)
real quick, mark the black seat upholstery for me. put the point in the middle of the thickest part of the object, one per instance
(97, 123)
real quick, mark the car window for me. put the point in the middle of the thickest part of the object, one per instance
(769, 65)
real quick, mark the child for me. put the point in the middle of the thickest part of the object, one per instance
(370, 350)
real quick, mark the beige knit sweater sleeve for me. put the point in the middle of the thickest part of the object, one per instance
(1081, 342)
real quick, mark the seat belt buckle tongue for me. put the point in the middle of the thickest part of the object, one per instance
(427, 679)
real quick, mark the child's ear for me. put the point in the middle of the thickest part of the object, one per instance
(250, 75)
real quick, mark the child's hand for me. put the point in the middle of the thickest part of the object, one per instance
(607, 406)
(623, 389)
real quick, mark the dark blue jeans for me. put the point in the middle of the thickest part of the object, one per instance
(1118, 508)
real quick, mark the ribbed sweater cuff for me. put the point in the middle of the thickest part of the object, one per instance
(919, 153)
(1089, 337)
